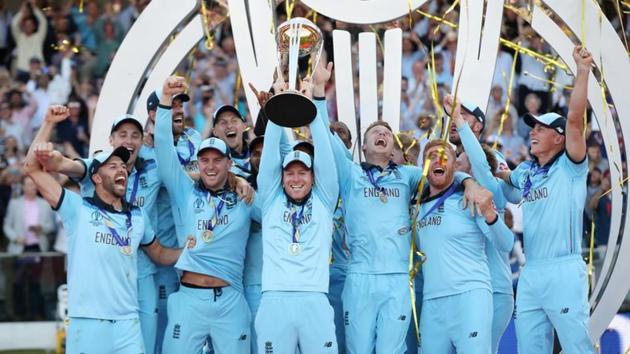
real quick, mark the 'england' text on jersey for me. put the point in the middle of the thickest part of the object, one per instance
(430, 220)
(305, 219)
(108, 239)
(375, 192)
(204, 224)
(537, 194)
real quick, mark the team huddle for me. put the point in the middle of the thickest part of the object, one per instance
(184, 245)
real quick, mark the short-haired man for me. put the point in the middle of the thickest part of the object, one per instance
(552, 289)
(142, 192)
(103, 303)
(457, 291)
(229, 126)
(210, 299)
(298, 196)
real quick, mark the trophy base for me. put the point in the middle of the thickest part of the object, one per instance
(290, 109)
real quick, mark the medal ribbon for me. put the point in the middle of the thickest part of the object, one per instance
(191, 151)
(217, 212)
(134, 189)
(534, 171)
(441, 200)
(295, 223)
(374, 182)
(109, 223)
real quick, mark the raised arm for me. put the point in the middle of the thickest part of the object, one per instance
(341, 157)
(171, 172)
(325, 178)
(52, 160)
(575, 142)
(270, 172)
(46, 184)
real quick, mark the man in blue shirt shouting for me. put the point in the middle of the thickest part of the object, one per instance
(102, 268)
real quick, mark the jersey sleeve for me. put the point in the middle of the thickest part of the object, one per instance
(256, 209)
(478, 161)
(498, 233)
(511, 193)
(171, 172)
(83, 179)
(516, 177)
(68, 208)
(575, 169)
(270, 172)
(326, 181)
(149, 234)
(343, 163)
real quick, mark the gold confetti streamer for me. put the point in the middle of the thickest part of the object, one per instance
(590, 255)
(551, 82)
(81, 6)
(413, 269)
(508, 102)
(288, 7)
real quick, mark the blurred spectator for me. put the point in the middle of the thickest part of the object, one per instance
(29, 31)
(532, 106)
(595, 159)
(28, 222)
(23, 108)
(11, 163)
(73, 133)
(412, 51)
(502, 71)
(532, 77)
(5, 35)
(442, 76)
(8, 127)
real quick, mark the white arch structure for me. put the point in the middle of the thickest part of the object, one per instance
(148, 54)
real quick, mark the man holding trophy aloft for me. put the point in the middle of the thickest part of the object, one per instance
(297, 219)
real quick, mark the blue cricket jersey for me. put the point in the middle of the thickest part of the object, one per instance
(102, 279)
(553, 203)
(378, 233)
(454, 245)
(310, 223)
(143, 185)
(220, 221)
(498, 260)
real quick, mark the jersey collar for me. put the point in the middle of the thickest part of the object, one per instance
(245, 154)
(99, 203)
(203, 188)
(295, 202)
(425, 194)
(366, 166)
(553, 159)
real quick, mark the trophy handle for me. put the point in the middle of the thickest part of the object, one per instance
(318, 56)
(294, 51)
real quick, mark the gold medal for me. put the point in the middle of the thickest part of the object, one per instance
(383, 197)
(294, 248)
(126, 250)
(207, 236)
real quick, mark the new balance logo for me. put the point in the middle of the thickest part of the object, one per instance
(564, 311)
(243, 337)
(402, 317)
(327, 344)
(176, 331)
(346, 319)
(472, 335)
(268, 348)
